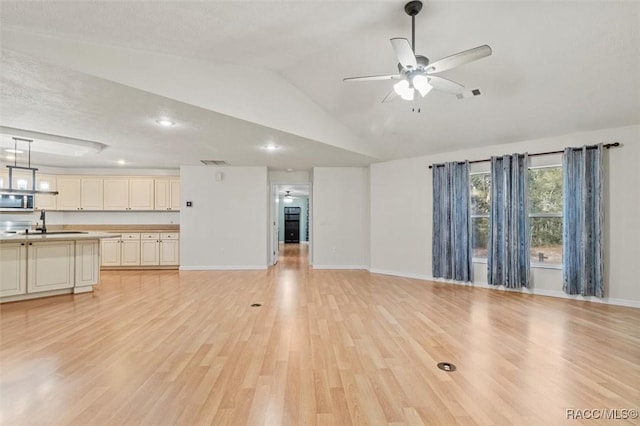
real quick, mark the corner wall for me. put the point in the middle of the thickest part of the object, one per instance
(226, 228)
(401, 213)
(340, 203)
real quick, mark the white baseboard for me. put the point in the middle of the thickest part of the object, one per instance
(223, 268)
(340, 267)
(539, 292)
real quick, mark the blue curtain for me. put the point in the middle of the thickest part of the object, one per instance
(451, 241)
(508, 257)
(583, 221)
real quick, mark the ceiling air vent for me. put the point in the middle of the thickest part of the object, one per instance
(214, 162)
(469, 94)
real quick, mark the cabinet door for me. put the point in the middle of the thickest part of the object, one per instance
(13, 269)
(130, 253)
(162, 194)
(170, 252)
(141, 194)
(116, 194)
(91, 197)
(149, 251)
(50, 266)
(69, 192)
(46, 201)
(175, 194)
(110, 251)
(22, 179)
(87, 263)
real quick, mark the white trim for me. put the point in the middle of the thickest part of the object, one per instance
(340, 267)
(537, 292)
(401, 274)
(223, 268)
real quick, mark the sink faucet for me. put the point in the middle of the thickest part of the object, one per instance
(43, 218)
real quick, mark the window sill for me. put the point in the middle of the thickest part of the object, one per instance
(533, 265)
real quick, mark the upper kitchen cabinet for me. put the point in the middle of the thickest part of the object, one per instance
(167, 192)
(46, 201)
(128, 193)
(141, 194)
(80, 193)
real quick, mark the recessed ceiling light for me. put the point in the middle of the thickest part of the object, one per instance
(122, 162)
(14, 151)
(165, 122)
(271, 147)
(289, 170)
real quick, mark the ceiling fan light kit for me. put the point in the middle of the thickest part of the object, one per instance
(416, 71)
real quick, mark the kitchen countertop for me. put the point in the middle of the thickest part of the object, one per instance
(35, 237)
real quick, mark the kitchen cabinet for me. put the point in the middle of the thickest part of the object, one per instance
(145, 249)
(169, 248)
(79, 193)
(167, 194)
(13, 268)
(160, 249)
(45, 201)
(123, 251)
(50, 265)
(22, 179)
(141, 193)
(128, 193)
(87, 263)
(116, 193)
(150, 249)
(40, 266)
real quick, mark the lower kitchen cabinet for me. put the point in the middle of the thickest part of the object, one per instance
(50, 266)
(13, 269)
(145, 249)
(87, 263)
(32, 269)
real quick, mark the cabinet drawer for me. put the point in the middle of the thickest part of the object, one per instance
(134, 236)
(150, 236)
(169, 236)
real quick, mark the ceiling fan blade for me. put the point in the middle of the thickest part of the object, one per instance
(445, 85)
(373, 77)
(404, 53)
(459, 59)
(392, 95)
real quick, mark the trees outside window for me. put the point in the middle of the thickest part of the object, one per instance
(545, 213)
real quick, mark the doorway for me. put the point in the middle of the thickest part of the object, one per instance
(290, 221)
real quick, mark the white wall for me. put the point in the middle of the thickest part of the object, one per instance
(227, 226)
(340, 217)
(401, 216)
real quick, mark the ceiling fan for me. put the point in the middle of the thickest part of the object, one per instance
(415, 72)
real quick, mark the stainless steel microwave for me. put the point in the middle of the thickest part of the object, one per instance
(16, 202)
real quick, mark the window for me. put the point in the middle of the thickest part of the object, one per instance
(480, 201)
(545, 213)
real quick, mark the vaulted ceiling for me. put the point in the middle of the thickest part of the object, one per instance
(237, 76)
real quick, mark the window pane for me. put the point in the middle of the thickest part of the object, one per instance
(480, 193)
(546, 240)
(545, 190)
(480, 237)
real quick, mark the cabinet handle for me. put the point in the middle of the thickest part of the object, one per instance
(21, 244)
(30, 244)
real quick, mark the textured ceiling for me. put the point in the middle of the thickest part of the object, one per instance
(556, 68)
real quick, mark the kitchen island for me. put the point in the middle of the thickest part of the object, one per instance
(34, 265)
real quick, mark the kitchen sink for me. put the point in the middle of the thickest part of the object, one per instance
(57, 232)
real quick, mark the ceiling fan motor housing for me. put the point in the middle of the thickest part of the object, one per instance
(413, 7)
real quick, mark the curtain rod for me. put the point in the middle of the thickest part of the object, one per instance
(608, 145)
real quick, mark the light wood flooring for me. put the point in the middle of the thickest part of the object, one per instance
(325, 347)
